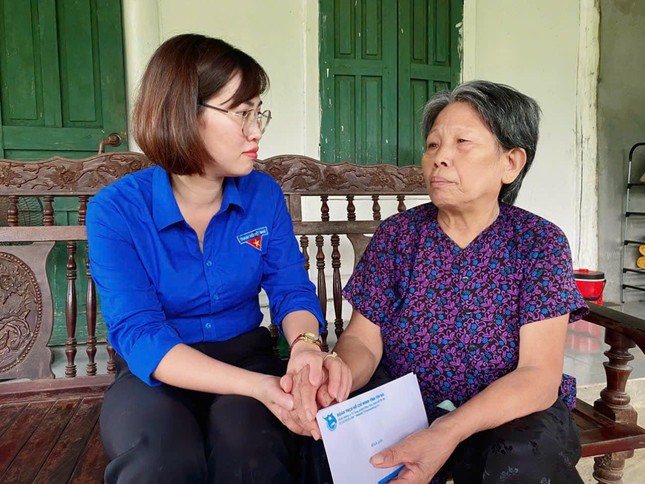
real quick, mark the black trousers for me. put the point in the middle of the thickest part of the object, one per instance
(165, 434)
(541, 448)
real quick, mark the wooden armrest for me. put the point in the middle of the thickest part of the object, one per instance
(609, 428)
(601, 435)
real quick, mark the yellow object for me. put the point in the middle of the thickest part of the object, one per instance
(314, 339)
(641, 249)
(640, 262)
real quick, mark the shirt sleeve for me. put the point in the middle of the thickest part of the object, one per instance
(284, 278)
(548, 288)
(372, 290)
(136, 322)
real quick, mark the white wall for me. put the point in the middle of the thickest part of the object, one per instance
(536, 46)
(282, 35)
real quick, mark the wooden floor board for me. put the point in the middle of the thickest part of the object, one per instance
(32, 455)
(62, 460)
(19, 432)
(56, 440)
(91, 465)
(8, 414)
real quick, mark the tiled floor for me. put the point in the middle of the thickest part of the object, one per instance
(584, 355)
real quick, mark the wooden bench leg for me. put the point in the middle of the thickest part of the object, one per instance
(608, 469)
(614, 402)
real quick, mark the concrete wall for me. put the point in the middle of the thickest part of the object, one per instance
(534, 46)
(621, 123)
(282, 35)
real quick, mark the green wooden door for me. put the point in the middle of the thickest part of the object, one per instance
(62, 93)
(358, 76)
(380, 61)
(428, 63)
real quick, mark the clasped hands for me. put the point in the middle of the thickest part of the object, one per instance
(314, 379)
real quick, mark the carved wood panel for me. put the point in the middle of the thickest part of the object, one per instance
(25, 311)
(300, 174)
(61, 176)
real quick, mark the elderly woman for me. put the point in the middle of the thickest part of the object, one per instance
(473, 295)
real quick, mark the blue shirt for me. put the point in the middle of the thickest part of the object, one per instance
(158, 289)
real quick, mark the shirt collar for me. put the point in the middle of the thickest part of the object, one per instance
(165, 210)
(232, 194)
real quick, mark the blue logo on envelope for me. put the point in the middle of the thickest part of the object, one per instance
(253, 237)
(332, 423)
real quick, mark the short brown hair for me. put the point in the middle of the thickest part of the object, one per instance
(183, 72)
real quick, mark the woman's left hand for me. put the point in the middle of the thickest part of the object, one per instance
(302, 355)
(311, 374)
(266, 389)
(324, 368)
(423, 453)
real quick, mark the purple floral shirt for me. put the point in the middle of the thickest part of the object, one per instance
(453, 316)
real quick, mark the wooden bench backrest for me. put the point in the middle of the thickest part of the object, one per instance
(343, 201)
(25, 298)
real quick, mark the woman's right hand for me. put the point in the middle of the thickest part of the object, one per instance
(423, 453)
(268, 391)
(335, 386)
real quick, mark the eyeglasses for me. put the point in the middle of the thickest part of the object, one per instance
(249, 118)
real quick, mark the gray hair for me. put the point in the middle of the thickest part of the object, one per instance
(511, 116)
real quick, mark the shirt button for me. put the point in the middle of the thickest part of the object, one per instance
(465, 279)
(472, 348)
(208, 325)
(215, 297)
(209, 263)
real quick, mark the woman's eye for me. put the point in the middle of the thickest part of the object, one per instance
(432, 145)
(462, 140)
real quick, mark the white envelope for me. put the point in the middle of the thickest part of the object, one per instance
(356, 429)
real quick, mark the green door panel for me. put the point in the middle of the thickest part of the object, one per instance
(63, 85)
(358, 77)
(80, 76)
(62, 93)
(428, 63)
(21, 77)
(19, 138)
(379, 63)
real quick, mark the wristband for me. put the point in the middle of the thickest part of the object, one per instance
(311, 338)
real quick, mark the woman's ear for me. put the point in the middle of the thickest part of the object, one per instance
(515, 159)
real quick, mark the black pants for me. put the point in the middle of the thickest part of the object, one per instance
(541, 448)
(165, 434)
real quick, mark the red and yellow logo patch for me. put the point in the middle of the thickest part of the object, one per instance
(253, 237)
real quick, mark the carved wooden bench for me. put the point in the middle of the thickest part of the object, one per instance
(49, 425)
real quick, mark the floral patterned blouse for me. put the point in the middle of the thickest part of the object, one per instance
(452, 315)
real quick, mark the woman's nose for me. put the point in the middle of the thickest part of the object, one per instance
(442, 157)
(253, 132)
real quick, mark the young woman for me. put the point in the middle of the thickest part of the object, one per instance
(179, 253)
